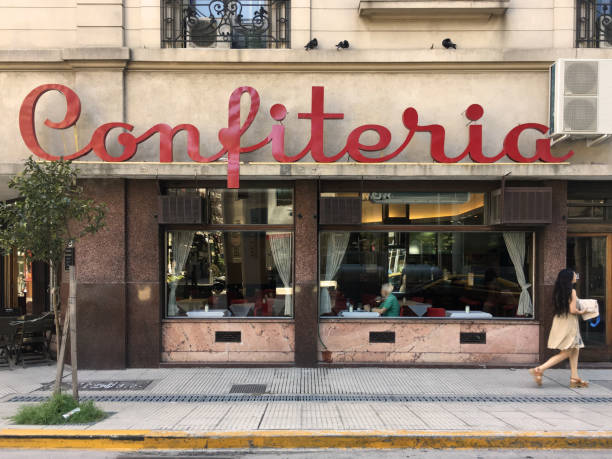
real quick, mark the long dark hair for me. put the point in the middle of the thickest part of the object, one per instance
(562, 293)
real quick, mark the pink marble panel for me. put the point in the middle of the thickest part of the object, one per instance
(228, 357)
(510, 339)
(432, 357)
(195, 341)
(429, 343)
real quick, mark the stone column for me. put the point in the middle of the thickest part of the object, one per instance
(551, 247)
(101, 286)
(306, 263)
(143, 276)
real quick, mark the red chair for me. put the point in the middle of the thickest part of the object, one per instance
(435, 312)
(407, 312)
(418, 299)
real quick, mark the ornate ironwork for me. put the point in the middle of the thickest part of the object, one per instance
(594, 24)
(225, 23)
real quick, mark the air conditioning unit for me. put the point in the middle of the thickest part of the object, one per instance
(581, 98)
(203, 33)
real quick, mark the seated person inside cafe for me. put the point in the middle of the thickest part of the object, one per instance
(389, 307)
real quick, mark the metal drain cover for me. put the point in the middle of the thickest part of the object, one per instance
(248, 389)
(140, 384)
(263, 397)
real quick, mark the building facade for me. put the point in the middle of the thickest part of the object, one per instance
(262, 186)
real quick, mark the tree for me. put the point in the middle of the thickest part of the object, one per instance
(48, 217)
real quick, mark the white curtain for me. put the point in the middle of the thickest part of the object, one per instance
(515, 243)
(280, 245)
(181, 245)
(336, 248)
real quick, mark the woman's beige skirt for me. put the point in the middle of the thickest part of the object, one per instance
(565, 333)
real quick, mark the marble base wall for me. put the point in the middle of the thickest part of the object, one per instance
(194, 342)
(429, 342)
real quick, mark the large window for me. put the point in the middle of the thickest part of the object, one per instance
(432, 274)
(225, 24)
(239, 263)
(594, 23)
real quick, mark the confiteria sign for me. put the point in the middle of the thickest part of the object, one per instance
(230, 136)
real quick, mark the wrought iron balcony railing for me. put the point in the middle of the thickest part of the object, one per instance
(225, 23)
(594, 23)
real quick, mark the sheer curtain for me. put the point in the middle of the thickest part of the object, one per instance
(336, 248)
(181, 245)
(515, 243)
(282, 252)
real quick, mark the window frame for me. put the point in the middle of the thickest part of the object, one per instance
(442, 186)
(222, 227)
(531, 279)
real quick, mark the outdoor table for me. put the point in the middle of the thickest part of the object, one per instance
(211, 313)
(358, 314)
(470, 315)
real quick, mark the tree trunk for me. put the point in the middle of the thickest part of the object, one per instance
(61, 356)
(73, 332)
(55, 306)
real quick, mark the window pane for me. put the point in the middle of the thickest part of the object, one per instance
(235, 274)
(271, 206)
(434, 273)
(251, 206)
(423, 208)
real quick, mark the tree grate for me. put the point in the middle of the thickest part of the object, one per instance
(254, 397)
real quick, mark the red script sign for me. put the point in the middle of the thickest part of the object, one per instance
(230, 136)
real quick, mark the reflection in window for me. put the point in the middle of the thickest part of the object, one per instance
(272, 206)
(229, 273)
(589, 210)
(441, 272)
(423, 208)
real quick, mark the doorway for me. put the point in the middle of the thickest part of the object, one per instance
(590, 255)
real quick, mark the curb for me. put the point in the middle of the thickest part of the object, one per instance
(134, 440)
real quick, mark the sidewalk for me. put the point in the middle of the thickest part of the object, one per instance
(354, 407)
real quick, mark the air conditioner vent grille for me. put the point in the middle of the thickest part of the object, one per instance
(581, 78)
(580, 114)
(179, 209)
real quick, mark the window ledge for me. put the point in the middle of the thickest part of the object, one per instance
(436, 9)
(432, 320)
(232, 320)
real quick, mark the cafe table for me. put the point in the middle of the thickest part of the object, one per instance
(469, 315)
(358, 314)
(210, 314)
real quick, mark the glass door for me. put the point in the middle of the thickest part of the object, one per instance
(589, 256)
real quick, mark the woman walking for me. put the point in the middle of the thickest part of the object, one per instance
(565, 330)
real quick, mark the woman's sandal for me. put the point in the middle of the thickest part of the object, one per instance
(537, 375)
(576, 383)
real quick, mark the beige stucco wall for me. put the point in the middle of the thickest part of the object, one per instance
(174, 86)
(136, 23)
(108, 51)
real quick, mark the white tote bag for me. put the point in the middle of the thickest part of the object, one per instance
(590, 306)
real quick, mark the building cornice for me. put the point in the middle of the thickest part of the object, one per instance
(291, 60)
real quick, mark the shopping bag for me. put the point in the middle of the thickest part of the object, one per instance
(590, 306)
